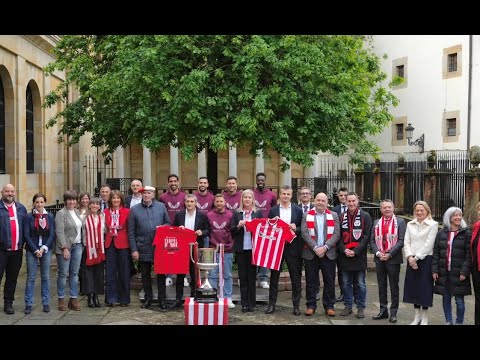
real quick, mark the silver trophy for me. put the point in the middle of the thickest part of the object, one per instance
(206, 261)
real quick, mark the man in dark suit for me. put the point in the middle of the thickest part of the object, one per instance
(305, 199)
(320, 232)
(387, 242)
(340, 209)
(194, 220)
(105, 191)
(292, 253)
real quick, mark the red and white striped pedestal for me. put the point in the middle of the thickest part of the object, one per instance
(206, 313)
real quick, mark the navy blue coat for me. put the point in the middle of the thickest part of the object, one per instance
(5, 229)
(32, 240)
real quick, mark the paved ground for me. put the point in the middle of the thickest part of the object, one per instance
(134, 315)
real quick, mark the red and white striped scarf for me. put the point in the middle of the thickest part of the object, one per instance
(311, 223)
(94, 241)
(391, 235)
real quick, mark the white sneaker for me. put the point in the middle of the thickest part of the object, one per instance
(264, 285)
(230, 304)
(168, 281)
(185, 282)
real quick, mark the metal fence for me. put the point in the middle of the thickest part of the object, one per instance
(53, 209)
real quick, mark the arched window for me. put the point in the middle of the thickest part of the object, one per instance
(2, 129)
(30, 153)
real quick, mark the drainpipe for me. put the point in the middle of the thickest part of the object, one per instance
(470, 67)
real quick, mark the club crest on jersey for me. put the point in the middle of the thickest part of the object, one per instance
(262, 205)
(171, 206)
(232, 207)
(221, 226)
(170, 244)
(202, 207)
(357, 233)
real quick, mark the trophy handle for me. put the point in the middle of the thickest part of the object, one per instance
(192, 246)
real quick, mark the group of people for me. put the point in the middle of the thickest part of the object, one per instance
(93, 237)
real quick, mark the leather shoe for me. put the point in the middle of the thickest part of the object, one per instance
(270, 309)
(393, 318)
(330, 312)
(251, 309)
(147, 303)
(296, 311)
(244, 309)
(8, 309)
(381, 315)
(309, 312)
(176, 304)
(162, 305)
(340, 298)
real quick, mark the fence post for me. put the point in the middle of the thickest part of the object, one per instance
(472, 186)
(377, 183)
(430, 183)
(400, 185)
(359, 181)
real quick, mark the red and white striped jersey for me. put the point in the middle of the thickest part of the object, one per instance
(268, 238)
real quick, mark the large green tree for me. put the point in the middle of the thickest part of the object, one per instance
(295, 94)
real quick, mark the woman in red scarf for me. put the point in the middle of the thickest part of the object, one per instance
(117, 250)
(475, 250)
(93, 240)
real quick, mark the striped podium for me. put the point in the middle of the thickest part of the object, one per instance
(215, 313)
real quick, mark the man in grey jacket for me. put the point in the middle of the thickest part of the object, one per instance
(142, 225)
(386, 243)
(320, 232)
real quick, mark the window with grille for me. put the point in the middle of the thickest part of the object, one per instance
(2, 129)
(399, 131)
(29, 132)
(452, 62)
(451, 127)
(401, 71)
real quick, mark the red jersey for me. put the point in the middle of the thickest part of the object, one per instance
(172, 249)
(268, 239)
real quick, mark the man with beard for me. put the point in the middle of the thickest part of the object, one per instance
(12, 217)
(265, 199)
(205, 200)
(232, 195)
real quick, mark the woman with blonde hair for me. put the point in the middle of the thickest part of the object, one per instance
(418, 250)
(475, 253)
(242, 245)
(451, 264)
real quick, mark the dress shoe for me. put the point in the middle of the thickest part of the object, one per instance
(296, 311)
(244, 309)
(145, 305)
(90, 302)
(393, 318)
(162, 305)
(8, 309)
(46, 308)
(270, 309)
(96, 302)
(176, 304)
(340, 298)
(309, 312)
(330, 312)
(28, 310)
(381, 315)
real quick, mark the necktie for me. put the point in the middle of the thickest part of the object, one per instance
(305, 208)
(344, 208)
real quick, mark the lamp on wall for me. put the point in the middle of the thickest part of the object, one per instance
(420, 141)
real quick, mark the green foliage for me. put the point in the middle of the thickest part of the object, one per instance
(295, 94)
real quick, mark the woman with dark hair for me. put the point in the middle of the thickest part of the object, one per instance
(39, 232)
(93, 236)
(117, 251)
(451, 264)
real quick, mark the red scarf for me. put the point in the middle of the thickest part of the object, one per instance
(40, 223)
(310, 220)
(386, 236)
(94, 242)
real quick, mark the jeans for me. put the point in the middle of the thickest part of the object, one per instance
(351, 279)
(32, 264)
(227, 276)
(262, 274)
(69, 268)
(447, 306)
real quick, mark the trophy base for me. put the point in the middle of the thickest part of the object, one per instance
(206, 295)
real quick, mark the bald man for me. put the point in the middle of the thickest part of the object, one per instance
(12, 217)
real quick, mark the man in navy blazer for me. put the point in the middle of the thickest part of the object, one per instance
(292, 253)
(194, 220)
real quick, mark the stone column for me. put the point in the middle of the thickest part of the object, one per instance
(400, 186)
(174, 168)
(119, 163)
(232, 160)
(286, 176)
(147, 167)
(377, 183)
(472, 187)
(312, 171)
(202, 164)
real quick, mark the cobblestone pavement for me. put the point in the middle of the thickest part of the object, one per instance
(134, 315)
